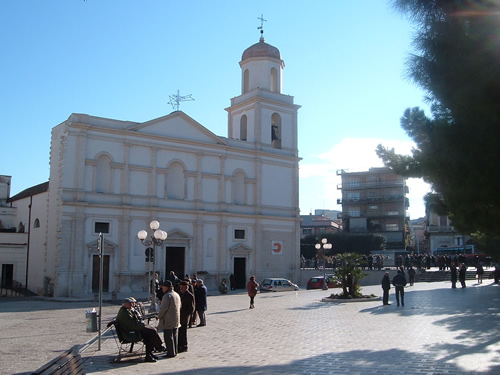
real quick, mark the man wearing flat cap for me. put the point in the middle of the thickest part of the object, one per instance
(130, 323)
(169, 317)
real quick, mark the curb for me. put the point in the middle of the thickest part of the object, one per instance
(348, 300)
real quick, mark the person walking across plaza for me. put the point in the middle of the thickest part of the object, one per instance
(169, 317)
(479, 272)
(187, 309)
(462, 272)
(131, 322)
(386, 286)
(399, 281)
(411, 275)
(252, 287)
(200, 299)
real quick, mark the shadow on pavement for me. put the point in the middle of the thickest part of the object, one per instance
(352, 362)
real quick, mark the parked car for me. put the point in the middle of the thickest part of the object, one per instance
(317, 282)
(277, 285)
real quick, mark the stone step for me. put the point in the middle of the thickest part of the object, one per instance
(444, 276)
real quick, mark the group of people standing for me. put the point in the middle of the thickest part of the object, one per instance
(180, 302)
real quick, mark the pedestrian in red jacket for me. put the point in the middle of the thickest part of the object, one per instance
(252, 287)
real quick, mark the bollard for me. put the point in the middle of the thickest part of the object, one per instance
(91, 318)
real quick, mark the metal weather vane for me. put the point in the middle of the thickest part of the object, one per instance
(261, 27)
(175, 100)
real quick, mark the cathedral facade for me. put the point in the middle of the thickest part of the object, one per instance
(228, 204)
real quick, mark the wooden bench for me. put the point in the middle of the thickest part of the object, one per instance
(68, 363)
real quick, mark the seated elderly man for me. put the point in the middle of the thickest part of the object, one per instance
(130, 322)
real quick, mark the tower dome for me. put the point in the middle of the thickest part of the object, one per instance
(261, 49)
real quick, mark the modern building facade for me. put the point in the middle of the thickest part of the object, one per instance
(229, 204)
(440, 233)
(417, 242)
(375, 201)
(317, 225)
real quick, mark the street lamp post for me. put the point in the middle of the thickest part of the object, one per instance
(156, 239)
(323, 245)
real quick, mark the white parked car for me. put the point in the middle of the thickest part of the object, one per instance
(277, 285)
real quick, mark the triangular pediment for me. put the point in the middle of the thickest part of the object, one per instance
(240, 248)
(108, 248)
(177, 234)
(177, 125)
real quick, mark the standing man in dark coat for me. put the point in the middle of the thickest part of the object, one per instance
(454, 275)
(187, 309)
(386, 286)
(200, 299)
(399, 281)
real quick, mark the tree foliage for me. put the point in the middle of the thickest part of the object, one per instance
(349, 274)
(457, 63)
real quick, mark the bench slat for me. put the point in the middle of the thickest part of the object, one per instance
(69, 362)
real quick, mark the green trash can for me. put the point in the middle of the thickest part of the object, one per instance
(91, 318)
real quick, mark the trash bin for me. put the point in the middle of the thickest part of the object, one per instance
(91, 318)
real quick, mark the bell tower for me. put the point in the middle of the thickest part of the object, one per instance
(262, 115)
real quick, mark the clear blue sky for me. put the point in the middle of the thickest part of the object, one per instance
(344, 64)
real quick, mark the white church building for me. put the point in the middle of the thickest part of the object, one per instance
(229, 204)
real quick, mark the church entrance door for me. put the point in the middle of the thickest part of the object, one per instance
(174, 261)
(240, 273)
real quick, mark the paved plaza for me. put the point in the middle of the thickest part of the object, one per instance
(439, 331)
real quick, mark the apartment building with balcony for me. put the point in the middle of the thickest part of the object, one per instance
(440, 233)
(375, 201)
(318, 225)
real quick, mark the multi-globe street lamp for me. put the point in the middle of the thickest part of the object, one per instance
(156, 239)
(323, 245)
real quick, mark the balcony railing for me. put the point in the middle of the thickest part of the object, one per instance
(369, 185)
(439, 229)
(375, 213)
(380, 198)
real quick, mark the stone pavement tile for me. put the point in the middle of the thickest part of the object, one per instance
(35, 331)
(439, 331)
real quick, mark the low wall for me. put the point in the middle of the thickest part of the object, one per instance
(372, 277)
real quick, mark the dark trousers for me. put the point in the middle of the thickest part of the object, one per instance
(201, 315)
(251, 300)
(182, 337)
(385, 297)
(400, 292)
(151, 339)
(170, 338)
